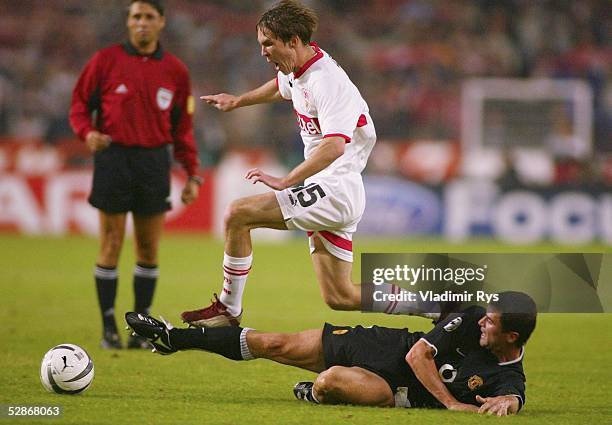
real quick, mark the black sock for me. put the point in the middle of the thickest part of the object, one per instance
(145, 279)
(224, 340)
(106, 286)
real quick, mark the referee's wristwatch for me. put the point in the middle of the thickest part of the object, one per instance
(196, 179)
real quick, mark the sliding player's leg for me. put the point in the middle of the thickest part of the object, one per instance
(303, 349)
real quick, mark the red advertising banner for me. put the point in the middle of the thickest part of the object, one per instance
(56, 203)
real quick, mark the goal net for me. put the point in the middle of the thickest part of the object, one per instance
(551, 115)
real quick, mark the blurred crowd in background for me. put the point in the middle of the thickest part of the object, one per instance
(408, 57)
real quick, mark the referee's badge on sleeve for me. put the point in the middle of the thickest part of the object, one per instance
(190, 105)
(164, 98)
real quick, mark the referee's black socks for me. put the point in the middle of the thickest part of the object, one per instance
(106, 287)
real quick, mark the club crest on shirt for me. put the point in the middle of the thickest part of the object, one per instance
(306, 94)
(164, 98)
(474, 382)
(453, 324)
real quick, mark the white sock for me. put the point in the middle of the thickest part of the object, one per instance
(244, 346)
(235, 273)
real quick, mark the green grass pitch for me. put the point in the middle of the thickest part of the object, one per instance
(48, 298)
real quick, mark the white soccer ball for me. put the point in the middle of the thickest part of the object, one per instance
(66, 369)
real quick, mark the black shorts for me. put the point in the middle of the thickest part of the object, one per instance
(377, 349)
(131, 179)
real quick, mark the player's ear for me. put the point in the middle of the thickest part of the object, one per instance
(295, 40)
(511, 337)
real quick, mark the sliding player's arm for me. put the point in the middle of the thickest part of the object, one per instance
(458, 330)
(420, 358)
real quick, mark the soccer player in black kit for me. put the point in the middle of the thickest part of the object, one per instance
(140, 98)
(470, 361)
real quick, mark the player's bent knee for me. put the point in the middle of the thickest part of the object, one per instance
(328, 384)
(231, 214)
(237, 213)
(329, 379)
(323, 385)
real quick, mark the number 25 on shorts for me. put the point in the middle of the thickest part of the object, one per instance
(308, 195)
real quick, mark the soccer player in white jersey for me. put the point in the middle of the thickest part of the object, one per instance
(338, 135)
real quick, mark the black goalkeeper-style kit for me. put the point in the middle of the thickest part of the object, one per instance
(466, 368)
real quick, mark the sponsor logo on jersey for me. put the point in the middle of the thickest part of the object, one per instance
(447, 373)
(309, 125)
(474, 382)
(340, 331)
(164, 98)
(453, 324)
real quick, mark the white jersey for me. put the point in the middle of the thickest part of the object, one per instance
(327, 103)
(331, 203)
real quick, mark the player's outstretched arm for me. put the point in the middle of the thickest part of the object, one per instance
(420, 359)
(502, 405)
(266, 93)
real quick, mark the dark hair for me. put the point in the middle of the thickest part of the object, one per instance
(289, 18)
(517, 314)
(156, 4)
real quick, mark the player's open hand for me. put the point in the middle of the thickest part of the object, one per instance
(500, 405)
(256, 175)
(97, 141)
(223, 101)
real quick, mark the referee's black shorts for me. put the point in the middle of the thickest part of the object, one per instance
(132, 179)
(377, 349)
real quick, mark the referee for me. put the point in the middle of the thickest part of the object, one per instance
(130, 103)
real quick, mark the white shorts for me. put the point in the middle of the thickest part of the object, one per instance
(328, 207)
